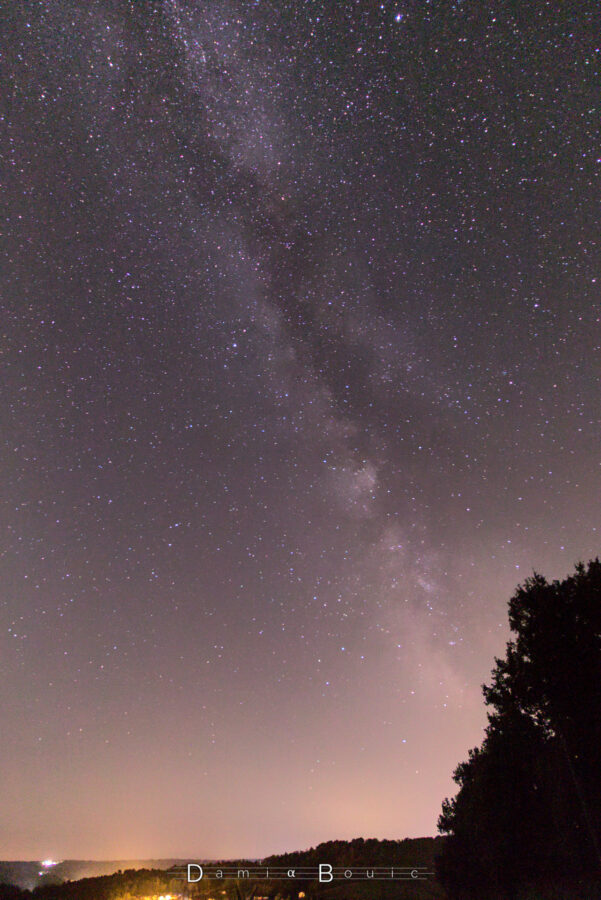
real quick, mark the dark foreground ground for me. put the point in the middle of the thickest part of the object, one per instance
(116, 881)
(81, 880)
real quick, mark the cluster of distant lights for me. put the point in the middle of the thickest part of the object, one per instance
(47, 864)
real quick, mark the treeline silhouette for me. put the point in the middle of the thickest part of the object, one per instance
(362, 852)
(136, 884)
(526, 821)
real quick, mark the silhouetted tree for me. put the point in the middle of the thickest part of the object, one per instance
(529, 800)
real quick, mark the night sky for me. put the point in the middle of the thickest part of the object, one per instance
(299, 323)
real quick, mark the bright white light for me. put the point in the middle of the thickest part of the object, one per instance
(47, 863)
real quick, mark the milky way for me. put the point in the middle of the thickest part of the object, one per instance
(299, 318)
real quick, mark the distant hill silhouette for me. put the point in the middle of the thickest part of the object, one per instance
(363, 852)
(119, 880)
(31, 874)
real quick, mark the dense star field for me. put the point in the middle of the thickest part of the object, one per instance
(299, 319)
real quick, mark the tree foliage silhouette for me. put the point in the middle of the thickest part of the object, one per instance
(529, 802)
